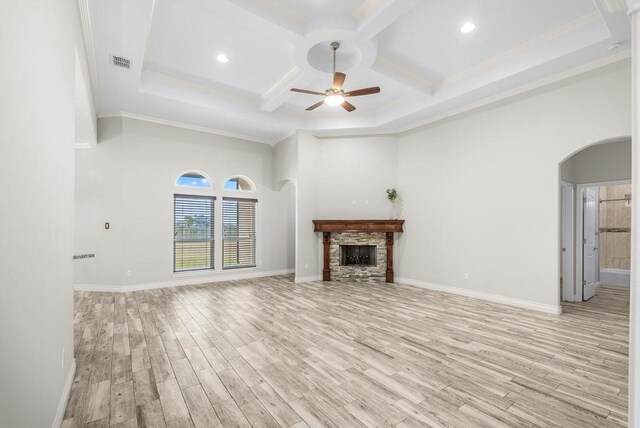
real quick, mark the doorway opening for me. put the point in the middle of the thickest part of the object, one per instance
(595, 225)
(603, 236)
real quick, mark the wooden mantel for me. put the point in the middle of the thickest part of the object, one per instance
(358, 225)
(355, 226)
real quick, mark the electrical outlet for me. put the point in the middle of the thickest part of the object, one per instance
(306, 265)
(353, 202)
(466, 276)
(128, 272)
(62, 359)
(366, 201)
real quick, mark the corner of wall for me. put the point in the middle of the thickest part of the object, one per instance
(64, 397)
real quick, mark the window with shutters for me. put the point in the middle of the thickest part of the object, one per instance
(238, 233)
(193, 238)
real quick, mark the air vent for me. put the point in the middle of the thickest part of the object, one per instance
(119, 61)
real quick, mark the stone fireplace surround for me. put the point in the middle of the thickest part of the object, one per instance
(358, 232)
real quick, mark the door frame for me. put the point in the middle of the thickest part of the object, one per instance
(567, 230)
(579, 235)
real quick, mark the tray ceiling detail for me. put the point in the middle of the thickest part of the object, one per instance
(413, 49)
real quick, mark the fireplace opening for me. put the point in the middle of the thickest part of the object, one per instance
(358, 255)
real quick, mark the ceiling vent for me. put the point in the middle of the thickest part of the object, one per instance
(119, 61)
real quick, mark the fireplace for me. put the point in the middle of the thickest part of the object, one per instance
(357, 250)
(358, 255)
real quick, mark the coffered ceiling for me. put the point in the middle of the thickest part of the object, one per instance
(413, 49)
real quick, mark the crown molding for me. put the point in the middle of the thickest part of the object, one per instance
(128, 115)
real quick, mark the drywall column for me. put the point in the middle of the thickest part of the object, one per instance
(37, 79)
(634, 335)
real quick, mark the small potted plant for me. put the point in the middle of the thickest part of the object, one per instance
(392, 196)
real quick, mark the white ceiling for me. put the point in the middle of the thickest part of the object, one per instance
(413, 49)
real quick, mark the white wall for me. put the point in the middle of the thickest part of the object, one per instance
(285, 161)
(36, 208)
(599, 163)
(332, 173)
(308, 262)
(481, 190)
(356, 169)
(128, 180)
(285, 179)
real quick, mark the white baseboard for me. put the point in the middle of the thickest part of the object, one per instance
(550, 309)
(187, 280)
(64, 398)
(311, 278)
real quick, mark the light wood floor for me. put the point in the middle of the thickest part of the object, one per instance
(268, 353)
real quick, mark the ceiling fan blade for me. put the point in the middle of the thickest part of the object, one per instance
(348, 106)
(305, 91)
(338, 80)
(315, 106)
(365, 91)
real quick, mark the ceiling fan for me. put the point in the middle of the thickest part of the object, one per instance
(335, 95)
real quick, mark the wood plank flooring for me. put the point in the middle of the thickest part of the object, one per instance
(268, 353)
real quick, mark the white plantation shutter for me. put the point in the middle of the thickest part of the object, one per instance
(238, 233)
(193, 240)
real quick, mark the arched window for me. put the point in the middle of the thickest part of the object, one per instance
(240, 182)
(194, 179)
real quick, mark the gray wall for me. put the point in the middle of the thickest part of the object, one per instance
(128, 180)
(481, 191)
(36, 169)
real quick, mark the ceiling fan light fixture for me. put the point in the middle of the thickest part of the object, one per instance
(334, 99)
(467, 27)
(335, 96)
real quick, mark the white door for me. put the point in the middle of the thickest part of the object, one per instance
(590, 257)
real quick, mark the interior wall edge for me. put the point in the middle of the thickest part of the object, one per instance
(64, 397)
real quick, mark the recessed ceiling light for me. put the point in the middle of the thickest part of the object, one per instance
(222, 58)
(468, 27)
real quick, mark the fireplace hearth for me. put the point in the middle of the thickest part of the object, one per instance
(358, 255)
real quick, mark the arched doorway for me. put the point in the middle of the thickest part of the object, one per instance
(591, 240)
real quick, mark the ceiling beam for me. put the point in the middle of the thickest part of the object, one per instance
(263, 15)
(280, 93)
(376, 15)
(392, 70)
